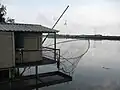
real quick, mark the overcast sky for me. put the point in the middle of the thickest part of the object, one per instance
(82, 17)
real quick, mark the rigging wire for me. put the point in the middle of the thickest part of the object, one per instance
(63, 42)
(25, 69)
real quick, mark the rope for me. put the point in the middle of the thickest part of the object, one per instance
(25, 69)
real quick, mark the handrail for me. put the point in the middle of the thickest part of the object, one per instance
(51, 48)
(37, 49)
(32, 50)
(49, 54)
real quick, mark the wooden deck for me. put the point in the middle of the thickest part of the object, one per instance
(32, 82)
(45, 61)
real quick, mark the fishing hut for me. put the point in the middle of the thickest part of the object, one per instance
(22, 47)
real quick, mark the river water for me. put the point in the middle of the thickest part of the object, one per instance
(98, 69)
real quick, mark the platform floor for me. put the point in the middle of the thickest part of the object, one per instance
(33, 81)
(45, 61)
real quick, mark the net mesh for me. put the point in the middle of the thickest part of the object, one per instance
(71, 52)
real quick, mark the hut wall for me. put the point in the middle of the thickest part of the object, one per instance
(7, 58)
(32, 41)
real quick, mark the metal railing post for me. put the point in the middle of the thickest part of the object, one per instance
(54, 46)
(58, 61)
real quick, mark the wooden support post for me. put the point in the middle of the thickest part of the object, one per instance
(10, 78)
(13, 48)
(18, 72)
(36, 69)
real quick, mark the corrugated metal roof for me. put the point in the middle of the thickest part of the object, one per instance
(24, 27)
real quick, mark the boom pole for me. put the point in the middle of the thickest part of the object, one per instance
(56, 23)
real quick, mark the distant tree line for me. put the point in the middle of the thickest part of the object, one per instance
(92, 37)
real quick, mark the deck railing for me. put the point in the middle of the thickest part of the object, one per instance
(52, 54)
(46, 52)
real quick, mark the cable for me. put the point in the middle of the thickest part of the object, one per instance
(25, 69)
(63, 42)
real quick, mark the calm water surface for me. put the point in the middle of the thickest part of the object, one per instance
(91, 72)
